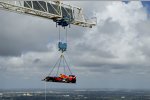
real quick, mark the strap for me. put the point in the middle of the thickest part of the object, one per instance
(54, 67)
(67, 64)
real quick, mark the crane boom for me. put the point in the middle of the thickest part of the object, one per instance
(50, 10)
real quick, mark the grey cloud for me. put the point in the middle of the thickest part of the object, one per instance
(97, 53)
(88, 48)
(110, 27)
(107, 51)
(143, 37)
(20, 34)
(37, 60)
(143, 28)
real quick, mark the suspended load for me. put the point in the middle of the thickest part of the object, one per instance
(56, 76)
(62, 78)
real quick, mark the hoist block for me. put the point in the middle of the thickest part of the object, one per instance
(62, 46)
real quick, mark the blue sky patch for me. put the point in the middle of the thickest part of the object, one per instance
(146, 4)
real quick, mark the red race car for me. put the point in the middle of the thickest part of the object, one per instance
(62, 78)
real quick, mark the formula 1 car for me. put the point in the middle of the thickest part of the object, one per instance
(62, 79)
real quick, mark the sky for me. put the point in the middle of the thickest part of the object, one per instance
(113, 54)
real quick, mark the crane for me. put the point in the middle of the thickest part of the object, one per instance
(62, 14)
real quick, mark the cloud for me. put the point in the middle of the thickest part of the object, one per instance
(20, 34)
(117, 48)
(120, 41)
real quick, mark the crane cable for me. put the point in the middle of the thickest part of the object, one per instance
(66, 34)
(59, 33)
(45, 91)
(64, 67)
(59, 65)
(54, 66)
(62, 58)
(67, 65)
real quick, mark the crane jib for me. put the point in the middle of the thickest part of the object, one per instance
(56, 11)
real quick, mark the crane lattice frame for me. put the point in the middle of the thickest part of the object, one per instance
(78, 16)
